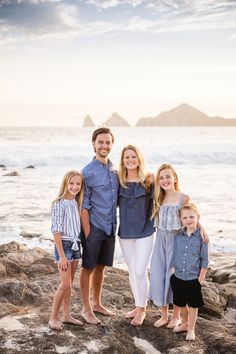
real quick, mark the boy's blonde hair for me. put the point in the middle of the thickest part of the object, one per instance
(145, 178)
(159, 193)
(64, 188)
(188, 206)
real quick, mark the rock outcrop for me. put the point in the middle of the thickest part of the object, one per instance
(182, 116)
(29, 278)
(116, 121)
(88, 122)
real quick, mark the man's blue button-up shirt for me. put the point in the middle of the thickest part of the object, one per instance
(100, 194)
(190, 254)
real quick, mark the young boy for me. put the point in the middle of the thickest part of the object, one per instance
(190, 262)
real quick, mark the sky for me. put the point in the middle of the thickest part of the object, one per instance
(62, 60)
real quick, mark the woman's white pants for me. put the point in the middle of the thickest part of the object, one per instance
(137, 254)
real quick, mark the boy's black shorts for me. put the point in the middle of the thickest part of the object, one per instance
(186, 292)
(98, 248)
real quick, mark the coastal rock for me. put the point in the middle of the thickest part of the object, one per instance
(88, 122)
(184, 115)
(116, 121)
(2, 166)
(215, 298)
(26, 294)
(30, 234)
(30, 166)
(13, 173)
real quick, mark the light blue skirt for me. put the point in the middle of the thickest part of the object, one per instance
(160, 290)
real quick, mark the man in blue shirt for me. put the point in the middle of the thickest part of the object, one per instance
(98, 218)
(190, 262)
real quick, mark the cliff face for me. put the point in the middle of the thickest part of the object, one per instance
(185, 115)
(29, 279)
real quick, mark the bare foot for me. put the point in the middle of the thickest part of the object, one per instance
(181, 328)
(55, 324)
(190, 335)
(161, 322)
(102, 310)
(72, 321)
(90, 318)
(174, 323)
(139, 318)
(132, 314)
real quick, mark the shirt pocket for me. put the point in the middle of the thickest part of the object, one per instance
(99, 180)
(195, 249)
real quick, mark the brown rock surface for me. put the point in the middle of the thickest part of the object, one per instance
(26, 290)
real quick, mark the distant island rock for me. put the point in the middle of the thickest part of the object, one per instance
(116, 121)
(182, 116)
(88, 122)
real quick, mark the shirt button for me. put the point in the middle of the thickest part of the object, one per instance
(183, 261)
(186, 246)
(183, 270)
(185, 254)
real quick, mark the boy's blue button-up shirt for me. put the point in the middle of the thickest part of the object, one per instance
(100, 194)
(190, 254)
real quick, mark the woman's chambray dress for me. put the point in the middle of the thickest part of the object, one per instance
(168, 226)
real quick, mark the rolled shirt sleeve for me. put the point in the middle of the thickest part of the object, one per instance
(204, 256)
(57, 216)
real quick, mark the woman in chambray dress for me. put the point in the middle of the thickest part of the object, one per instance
(136, 230)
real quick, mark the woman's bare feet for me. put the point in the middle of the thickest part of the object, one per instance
(102, 310)
(72, 321)
(55, 324)
(161, 322)
(175, 322)
(139, 318)
(132, 314)
(90, 317)
(181, 328)
(190, 335)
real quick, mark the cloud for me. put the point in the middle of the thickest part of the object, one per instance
(31, 20)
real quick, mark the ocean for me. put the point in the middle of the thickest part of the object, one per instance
(204, 158)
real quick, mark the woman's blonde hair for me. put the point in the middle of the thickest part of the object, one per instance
(159, 193)
(64, 188)
(145, 178)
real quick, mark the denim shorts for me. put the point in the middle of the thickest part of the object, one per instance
(70, 254)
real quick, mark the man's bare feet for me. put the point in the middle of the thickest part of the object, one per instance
(181, 328)
(190, 335)
(161, 322)
(102, 310)
(132, 314)
(90, 318)
(72, 321)
(139, 318)
(174, 323)
(55, 324)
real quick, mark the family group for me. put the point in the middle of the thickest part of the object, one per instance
(158, 229)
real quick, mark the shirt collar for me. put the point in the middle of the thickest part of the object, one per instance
(98, 163)
(196, 232)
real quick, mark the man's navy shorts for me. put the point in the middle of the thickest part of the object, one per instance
(98, 248)
(186, 292)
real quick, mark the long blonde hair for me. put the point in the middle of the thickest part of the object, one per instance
(159, 193)
(64, 188)
(145, 178)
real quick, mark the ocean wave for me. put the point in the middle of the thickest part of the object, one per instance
(175, 157)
